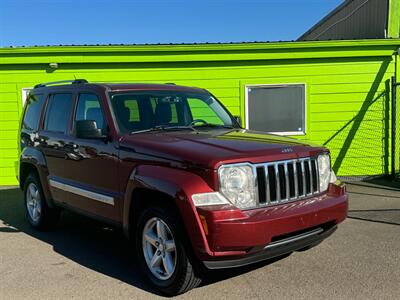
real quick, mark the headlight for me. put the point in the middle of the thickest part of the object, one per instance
(326, 175)
(237, 184)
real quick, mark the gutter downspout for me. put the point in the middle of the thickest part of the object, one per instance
(394, 116)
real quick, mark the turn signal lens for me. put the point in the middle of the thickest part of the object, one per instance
(204, 223)
(205, 199)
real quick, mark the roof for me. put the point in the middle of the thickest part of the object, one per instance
(352, 19)
(147, 44)
(192, 53)
(119, 87)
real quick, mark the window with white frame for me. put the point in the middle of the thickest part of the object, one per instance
(278, 109)
(24, 94)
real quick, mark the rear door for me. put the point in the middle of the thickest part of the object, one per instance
(54, 139)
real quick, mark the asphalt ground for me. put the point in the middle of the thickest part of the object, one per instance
(83, 259)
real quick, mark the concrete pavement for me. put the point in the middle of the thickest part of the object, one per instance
(83, 259)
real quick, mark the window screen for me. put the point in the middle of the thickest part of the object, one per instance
(278, 109)
(33, 112)
(58, 113)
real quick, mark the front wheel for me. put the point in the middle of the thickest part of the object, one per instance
(162, 254)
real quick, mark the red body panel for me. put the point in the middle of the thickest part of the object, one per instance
(239, 233)
(178, 164)
(211, 149)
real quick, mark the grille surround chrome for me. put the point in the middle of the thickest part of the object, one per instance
(297, 195)
(297, 186)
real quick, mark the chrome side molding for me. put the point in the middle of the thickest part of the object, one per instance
(82, 192)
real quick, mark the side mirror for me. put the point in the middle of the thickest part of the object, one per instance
(238, 119)
(87, 129)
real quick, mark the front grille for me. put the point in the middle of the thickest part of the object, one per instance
(289, 180)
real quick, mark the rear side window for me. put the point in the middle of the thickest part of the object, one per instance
(58, 113)
(33, 112)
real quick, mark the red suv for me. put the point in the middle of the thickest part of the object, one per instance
(176, 171)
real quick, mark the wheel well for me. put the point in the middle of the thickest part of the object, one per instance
(24, 170)
(142, 198)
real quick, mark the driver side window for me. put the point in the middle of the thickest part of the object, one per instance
(88, 108)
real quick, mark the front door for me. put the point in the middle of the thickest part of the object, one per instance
(91, 165)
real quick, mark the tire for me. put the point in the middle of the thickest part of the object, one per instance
(159, 239)
(39, 215)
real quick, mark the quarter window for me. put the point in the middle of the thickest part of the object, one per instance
(277, 109)
(58, 113)
(33, 112)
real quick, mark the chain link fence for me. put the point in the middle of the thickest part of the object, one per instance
(396, 130)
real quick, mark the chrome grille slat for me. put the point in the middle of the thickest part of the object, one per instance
(316, 172)
(287, 181)
(278, 183)
(303, 174)
(311, 178)
(296, 184)
(267, 192)
(292, 183)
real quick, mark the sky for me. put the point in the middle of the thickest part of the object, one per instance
(54, 22)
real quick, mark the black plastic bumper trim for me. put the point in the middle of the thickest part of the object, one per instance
(271, 250)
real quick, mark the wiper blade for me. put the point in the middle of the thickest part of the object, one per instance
(145, 130)
(163, 127)
(178, 127)
(215, 125)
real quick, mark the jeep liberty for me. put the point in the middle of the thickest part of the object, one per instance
(175, 170)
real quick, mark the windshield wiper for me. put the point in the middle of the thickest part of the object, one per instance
(163, 127)
(214, 125)
(180, 127)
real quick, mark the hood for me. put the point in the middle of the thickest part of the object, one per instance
(212, 148)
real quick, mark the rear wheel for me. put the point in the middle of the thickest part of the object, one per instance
(162, 251)
(39, 215)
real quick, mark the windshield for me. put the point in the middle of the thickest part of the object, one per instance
(138, 111)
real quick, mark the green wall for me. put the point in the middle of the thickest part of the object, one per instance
(347, 86)
(394, 19)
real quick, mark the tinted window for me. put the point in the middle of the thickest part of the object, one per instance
(132, 106)
(89, 109)
(202, 111)
(136, 111)
(278, 109)
(58, 113)
(33, 112)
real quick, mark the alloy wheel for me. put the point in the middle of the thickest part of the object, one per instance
(159, 248)
(33, 202)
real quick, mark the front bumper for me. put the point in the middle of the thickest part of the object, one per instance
(237, 237)
(297, 242)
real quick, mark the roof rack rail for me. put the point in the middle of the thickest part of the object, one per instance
(75, 81)
(170, 83)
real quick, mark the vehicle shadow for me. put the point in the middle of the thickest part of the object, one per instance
(381, 183)
(385, 216)
(91, 244)
(78, 238)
